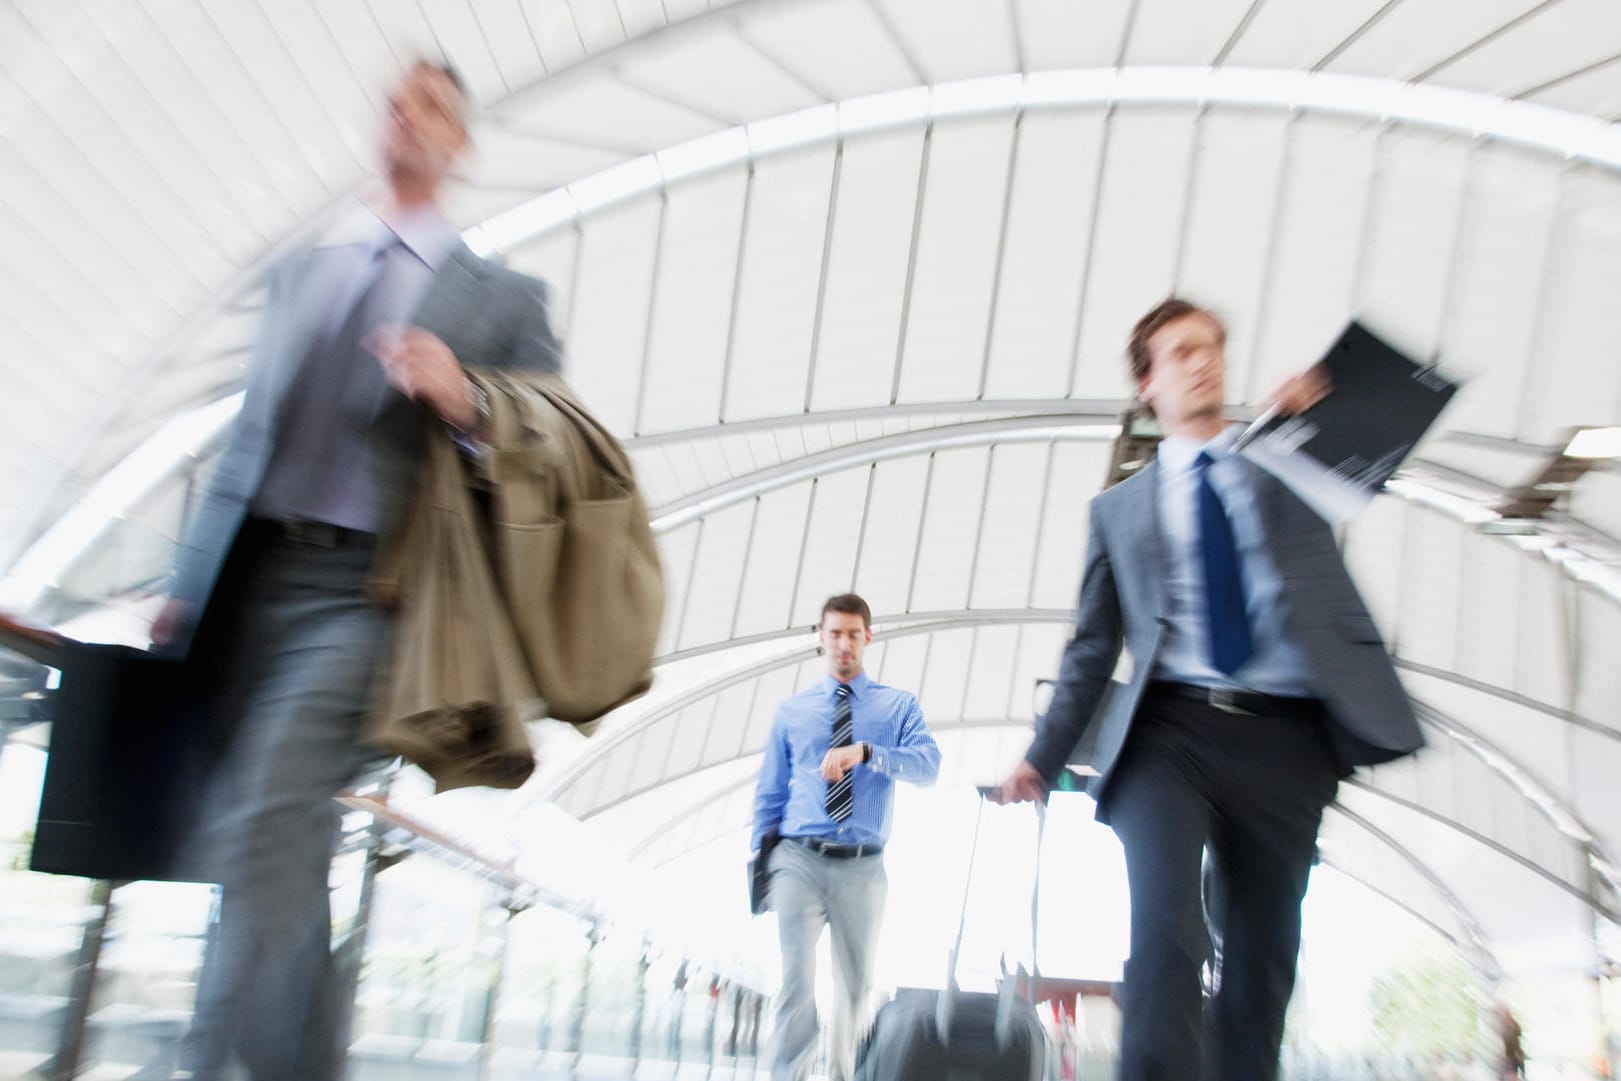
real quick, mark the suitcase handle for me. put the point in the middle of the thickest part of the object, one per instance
(945, 1004)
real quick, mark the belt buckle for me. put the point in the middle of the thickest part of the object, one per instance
(1226, 700)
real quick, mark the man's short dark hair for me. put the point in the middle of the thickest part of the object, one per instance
(850, 605)
(454, 77)
(1166, 311)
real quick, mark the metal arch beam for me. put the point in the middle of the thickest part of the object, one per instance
(1597, 904)
(1038, 429)
(1541, 129)
(896, 626)
(1483, 959)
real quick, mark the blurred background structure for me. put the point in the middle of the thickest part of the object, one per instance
(852, 279)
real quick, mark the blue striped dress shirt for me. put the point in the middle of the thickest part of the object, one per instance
(791, 794)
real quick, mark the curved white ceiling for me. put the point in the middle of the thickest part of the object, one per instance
(852, 279)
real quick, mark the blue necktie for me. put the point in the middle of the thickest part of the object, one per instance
(838, 800)
(1226, 620)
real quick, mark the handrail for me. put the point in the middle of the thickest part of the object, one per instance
(35, 643)
(502, 872)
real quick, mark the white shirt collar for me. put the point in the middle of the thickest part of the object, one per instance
(1177, 452)
(424, 230)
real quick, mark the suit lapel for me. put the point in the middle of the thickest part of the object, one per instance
(301, 320)
(1147, 540)
(452, 294)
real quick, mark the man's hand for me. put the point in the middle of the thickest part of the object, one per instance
(840, 760)
(1300, 392)
(173, 621)
(1024, 785)
(421, 366)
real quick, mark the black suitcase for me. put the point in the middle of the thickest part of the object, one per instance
(952, 1035)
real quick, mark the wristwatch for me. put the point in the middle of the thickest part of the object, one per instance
(866, 752)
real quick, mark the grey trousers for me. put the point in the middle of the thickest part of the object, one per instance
(809, 892)
(304, 646)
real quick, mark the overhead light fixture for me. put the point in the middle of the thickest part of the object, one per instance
(1594, 443)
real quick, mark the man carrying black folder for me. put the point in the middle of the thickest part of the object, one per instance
(1258, 681)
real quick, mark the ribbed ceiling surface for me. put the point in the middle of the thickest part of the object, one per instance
(852, 278)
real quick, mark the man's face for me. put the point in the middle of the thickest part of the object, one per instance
(423, 132)
(1187, 370)
(844, 636)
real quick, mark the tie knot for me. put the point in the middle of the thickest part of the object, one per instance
(843, 691)
(1204, 460)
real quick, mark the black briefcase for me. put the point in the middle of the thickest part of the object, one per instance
(130, 755)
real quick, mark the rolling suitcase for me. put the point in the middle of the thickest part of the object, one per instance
(953, 1035)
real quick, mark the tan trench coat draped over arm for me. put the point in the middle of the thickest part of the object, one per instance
(527, 583)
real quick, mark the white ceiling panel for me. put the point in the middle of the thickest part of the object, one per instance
(1575, 373)
(1171, 32)
(959, 235)
(712, 592)
(1411, 37)
(827, 559)
(1057, 34)
(867, 272)
(954, 39)
(1227, 240)
(840, 48)
(890, 543)
(1277, 36)
(1497, 287)
(609, 310)
(708, 73)
(992, 660)
(692, 304)
(1135, 239)
(950, 525)
(1555, 41)
(1542, 668)
(1044, 258)
(556, 35)
(1322, 221)
(767, 581)
(1431, 583)
(777, 285)
(609, 114)
(1412, 237)
(1075, 472)
(1009, 525)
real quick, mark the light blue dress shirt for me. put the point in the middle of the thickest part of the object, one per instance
(1277, 665)
(791, 795)
(323, 475)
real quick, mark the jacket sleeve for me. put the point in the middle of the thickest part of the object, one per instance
(536, 348)
(1088, 662)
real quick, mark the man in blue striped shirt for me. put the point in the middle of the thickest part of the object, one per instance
(827, 788)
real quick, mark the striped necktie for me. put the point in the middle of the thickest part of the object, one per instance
(839, 802)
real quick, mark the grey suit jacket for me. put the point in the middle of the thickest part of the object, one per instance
(1123, 605)
(488, 315)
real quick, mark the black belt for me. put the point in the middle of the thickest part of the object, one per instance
(1243, 703)
(300, 533)
(835, 851)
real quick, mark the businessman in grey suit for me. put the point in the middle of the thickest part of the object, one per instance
(1258, 681)
(359, 361)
